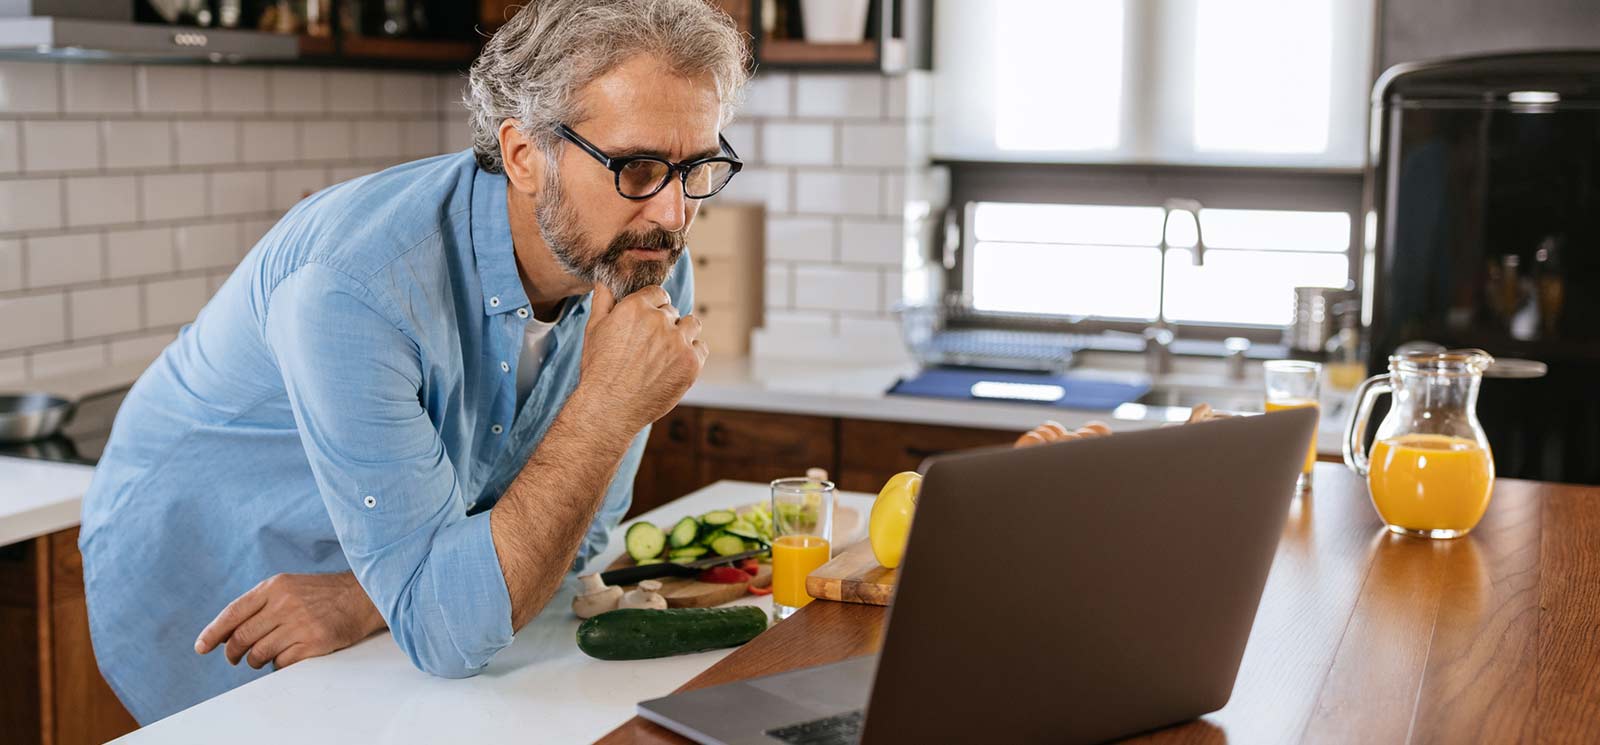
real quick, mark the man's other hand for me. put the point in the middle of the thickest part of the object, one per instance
(291, 617)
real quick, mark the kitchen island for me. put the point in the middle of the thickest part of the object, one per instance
(540, 689)
(1362, 636)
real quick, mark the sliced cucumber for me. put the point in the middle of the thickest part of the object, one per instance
(645, 541)
(728, 545)
(718, 518)
(687, 552)
(685, 532)
(748, 534)
(648, 562)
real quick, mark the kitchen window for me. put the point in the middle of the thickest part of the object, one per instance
(1078, 119)
(1256, 83)
(1103, 262)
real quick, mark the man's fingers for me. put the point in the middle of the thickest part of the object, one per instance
(702, 351)
(295, 653)
(237, 612)
(253, 630)
(602, 303)
(269, 647)
(655, 296)
(689, 326)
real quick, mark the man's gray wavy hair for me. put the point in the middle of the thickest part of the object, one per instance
(534, 66)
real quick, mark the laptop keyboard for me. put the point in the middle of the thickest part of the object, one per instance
(839, 729)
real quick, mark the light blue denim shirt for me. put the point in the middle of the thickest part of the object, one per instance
(347, 400)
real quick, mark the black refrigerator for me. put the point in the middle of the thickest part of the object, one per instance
(1484, 182)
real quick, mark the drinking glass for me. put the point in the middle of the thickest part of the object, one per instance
(1293, 384)
(802, 530)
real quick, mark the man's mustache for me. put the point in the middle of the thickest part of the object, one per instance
(657, 239)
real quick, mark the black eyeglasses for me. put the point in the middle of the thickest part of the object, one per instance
(642, 176)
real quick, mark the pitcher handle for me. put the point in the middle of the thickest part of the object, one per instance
(1355, 428)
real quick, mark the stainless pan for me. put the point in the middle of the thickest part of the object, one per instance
(26, 417)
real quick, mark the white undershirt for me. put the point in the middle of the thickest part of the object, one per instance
(535, 342)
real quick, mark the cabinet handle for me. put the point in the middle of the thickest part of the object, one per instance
(701, 262)
(678, 431)
(700, 310)
(717, 435)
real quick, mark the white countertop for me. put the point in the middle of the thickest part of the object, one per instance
(540, 689)
(39, 497)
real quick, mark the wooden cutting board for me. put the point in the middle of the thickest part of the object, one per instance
(688, 592)
(853, 576)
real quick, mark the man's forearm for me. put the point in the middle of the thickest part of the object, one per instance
(542, 516)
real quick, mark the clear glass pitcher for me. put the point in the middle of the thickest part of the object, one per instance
(1429, 471)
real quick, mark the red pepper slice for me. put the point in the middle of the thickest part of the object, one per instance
(750, 566)
(760, 590)
(724, 575)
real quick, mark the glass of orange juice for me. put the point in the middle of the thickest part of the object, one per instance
(1293, 384)
(802, 530)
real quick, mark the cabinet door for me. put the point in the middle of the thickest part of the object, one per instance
(668, 469)
(872, 451)
(23, 574)
(760, 446)
(85, 709)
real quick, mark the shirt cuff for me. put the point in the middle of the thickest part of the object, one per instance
(471, 589)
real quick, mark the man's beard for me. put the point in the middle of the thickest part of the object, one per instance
(558, 225)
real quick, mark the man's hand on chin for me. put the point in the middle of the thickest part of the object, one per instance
(292, 617)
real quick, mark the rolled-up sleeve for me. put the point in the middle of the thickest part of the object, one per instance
(353, 375)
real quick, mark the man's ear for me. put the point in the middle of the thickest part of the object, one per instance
(524, 161)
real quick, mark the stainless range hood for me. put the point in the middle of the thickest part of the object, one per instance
(69, 29)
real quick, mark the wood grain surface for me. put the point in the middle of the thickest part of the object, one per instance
(1362, 636)
(688, 592)
(854, 576)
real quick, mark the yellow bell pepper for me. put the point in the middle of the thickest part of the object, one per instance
(889, 525)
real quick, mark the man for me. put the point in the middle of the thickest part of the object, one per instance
(405, 408)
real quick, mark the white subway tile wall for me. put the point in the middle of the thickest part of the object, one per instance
(828, 153)
(128, 193)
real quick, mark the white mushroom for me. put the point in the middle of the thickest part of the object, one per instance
(597, 597)
(646, 595)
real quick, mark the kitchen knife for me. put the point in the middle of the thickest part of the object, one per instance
(636, 574)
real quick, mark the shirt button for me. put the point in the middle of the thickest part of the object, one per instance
(504, 367)
(522, 312)
(497, 429)
(370, 501)
(494, 302)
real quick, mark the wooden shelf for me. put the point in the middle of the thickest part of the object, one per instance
(316, 46)
(408, 50)
(794, 52)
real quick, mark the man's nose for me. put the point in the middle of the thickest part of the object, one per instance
(668, 208)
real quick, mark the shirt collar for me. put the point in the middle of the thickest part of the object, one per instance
(492, 246)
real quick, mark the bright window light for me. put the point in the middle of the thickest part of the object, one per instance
(1263, 75)
(1246, 287)
(1276, 230)
(1084, 224)
(1058, 74)
(1112, 281)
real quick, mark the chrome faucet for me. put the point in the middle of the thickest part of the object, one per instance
(1158, 337)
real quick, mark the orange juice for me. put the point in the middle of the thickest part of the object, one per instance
(1298, 403)
(794, 557)
(1431, 482)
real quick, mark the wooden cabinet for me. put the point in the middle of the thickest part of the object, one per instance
(692, 447)
(872, 451)
(52, 689)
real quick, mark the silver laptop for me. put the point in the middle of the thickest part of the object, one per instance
(1066, 593)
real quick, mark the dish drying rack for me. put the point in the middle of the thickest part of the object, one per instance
(946, 334)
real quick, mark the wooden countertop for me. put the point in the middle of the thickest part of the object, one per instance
(1362, 636)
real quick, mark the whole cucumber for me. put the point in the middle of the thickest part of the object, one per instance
(640, 634)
